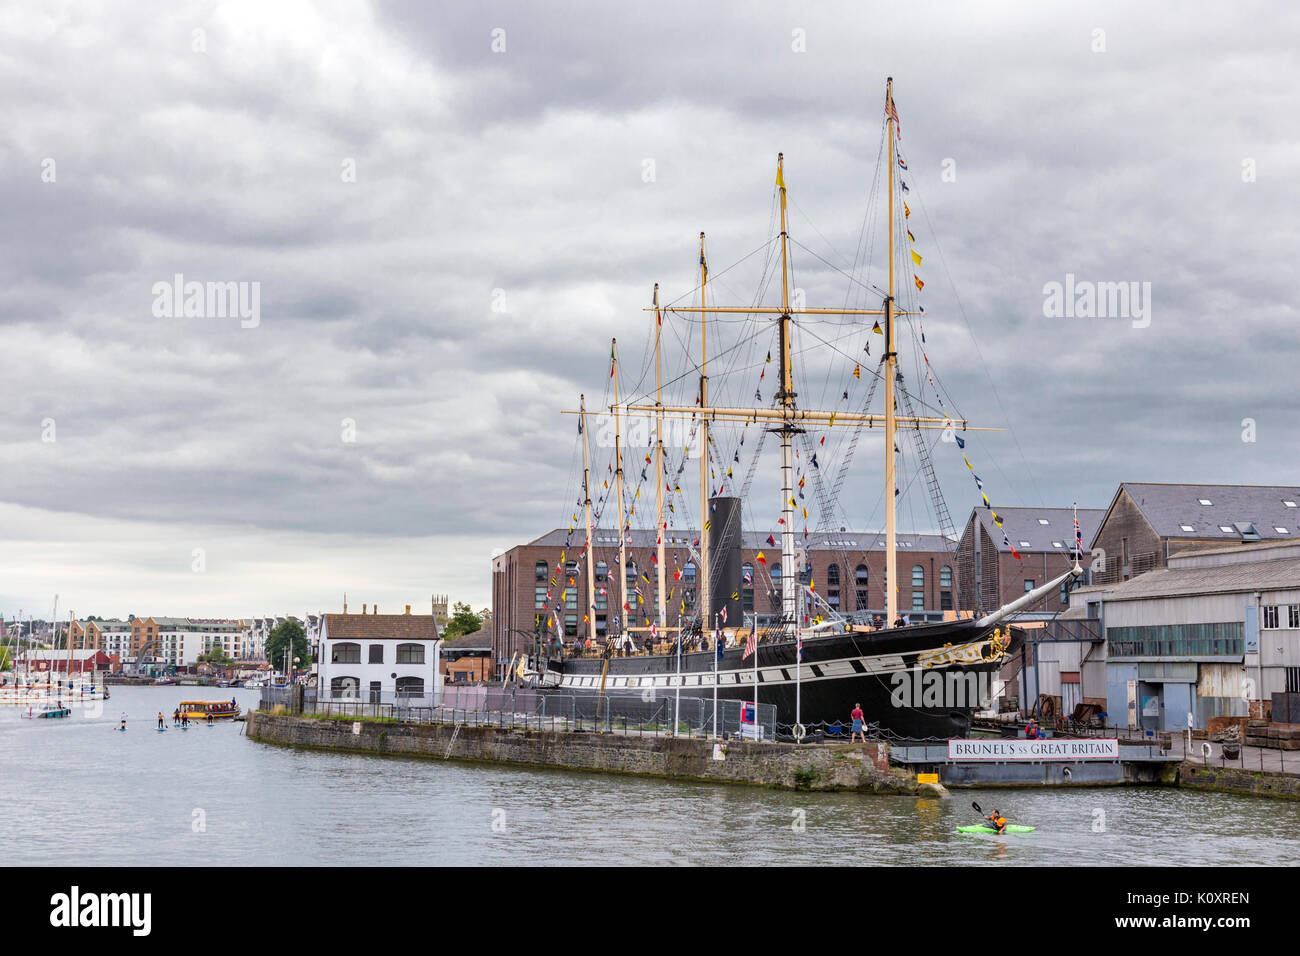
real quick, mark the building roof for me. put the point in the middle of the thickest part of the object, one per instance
(1275, 575)
(474, 641)
(754, 540)
(1040, 529)
(381, 627)
(1172, 509)
(59, 655)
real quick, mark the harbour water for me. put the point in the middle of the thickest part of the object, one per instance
(76, 792)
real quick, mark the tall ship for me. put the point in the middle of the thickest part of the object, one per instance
(661, 635)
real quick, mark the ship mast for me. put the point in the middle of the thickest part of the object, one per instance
(891, 364)
(586, 504)
(787, 430)
(661, 614)
(702, 601)
(624, 606)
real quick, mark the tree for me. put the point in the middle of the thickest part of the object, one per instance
(287, 634)
(463, 621)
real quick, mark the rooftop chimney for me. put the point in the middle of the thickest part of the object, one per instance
(408, 609)
(376, 610)
(363, 608)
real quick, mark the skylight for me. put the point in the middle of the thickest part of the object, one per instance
(1206, 501)
(1057, 544)
(1281, 530)
(1042, 521)
(1186, 527)
(1226, 529)
(1024, 544)
(1289, 504)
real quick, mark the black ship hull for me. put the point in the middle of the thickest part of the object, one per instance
(917, 682)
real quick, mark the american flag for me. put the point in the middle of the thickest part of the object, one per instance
(751, 645)
(892, 112)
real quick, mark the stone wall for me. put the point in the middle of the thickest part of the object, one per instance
(1237, 780)
(824, 767)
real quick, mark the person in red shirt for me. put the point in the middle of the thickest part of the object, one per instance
(857, 724)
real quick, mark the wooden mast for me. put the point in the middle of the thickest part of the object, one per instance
(891, 426)
(661, 612)
(787, 430)
(624, 606)
(591, 541)
(702, 595)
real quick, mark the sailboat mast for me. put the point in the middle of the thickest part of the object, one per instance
(624, 606)
(789, 573)
(661, 613)
(586, 504)
(891, 425)
(702, 601)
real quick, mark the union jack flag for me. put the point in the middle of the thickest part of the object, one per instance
(1078, 539)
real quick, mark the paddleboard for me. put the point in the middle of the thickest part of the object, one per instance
(1011, 828)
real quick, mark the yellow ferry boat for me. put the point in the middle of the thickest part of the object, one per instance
(203, 709)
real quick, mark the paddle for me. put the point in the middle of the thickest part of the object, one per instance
(983, 816)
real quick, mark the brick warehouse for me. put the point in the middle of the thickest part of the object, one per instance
(991, 576)
(848, 570)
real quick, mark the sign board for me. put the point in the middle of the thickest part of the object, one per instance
(927, 778)
(748, 713)
(1051, 749)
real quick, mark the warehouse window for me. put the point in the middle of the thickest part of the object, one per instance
(410, 686)
(410, 653)
(539, 571)
(346, 653)
(1270, 616)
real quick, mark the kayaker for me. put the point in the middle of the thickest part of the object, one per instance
(857, 716)
(997, 821)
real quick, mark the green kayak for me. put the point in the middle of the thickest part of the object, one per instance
(1011, 828)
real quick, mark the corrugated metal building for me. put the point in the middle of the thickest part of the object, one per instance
(1208, 635)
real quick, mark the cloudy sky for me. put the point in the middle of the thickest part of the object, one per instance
(449, 209)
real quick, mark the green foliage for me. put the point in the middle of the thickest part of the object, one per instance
(287, 634)
(804, 777)
(216, 656)
(6, 659)
(463, 621)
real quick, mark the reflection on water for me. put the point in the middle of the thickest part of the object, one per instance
(76, 791)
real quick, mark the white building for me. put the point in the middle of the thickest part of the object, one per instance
(182, 640)
(380, 658)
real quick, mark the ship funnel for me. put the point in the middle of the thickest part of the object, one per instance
(725, 545)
